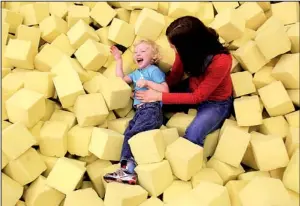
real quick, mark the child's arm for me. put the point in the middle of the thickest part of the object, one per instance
(119, 66)
(163, 87)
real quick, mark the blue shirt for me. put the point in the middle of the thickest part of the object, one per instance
(150, 73)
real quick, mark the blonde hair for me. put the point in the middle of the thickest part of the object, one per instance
(155, 49)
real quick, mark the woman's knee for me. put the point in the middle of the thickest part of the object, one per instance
(196, 134)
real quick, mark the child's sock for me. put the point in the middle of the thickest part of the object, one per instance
(128, 164)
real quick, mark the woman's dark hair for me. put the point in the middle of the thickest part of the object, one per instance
(194, 42)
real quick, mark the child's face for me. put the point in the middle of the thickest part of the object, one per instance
(143, 55)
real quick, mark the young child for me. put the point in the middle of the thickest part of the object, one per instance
(148, 116)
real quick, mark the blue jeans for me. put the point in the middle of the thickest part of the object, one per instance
(147, 117)
(210, 115)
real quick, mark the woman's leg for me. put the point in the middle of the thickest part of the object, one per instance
(210, 117)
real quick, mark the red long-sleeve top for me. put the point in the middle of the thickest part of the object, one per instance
(215, 84)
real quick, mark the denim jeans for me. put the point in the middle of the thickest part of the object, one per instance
(147, 117)
(210, 115)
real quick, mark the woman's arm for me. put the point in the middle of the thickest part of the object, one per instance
(176, 73)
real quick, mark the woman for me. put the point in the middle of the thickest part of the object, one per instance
(201, 56)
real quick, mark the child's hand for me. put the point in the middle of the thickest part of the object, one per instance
(115, 52)
(142, 83)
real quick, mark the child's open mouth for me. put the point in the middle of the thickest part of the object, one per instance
(139, 60)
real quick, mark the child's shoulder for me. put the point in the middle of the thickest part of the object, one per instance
(153, 68)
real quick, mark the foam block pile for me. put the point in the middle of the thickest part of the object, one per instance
(64, 112)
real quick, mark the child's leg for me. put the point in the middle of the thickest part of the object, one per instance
(148, 117)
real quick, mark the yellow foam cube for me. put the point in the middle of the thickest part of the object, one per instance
(277, 173)
(265, 5)
(286, 12)
(148, 147)
(34, 13)
(28, 112)
(292, 140)
(293, 34)
(150, 177)
(109, 141)
(277, 126)
(65, 175)
(49, 162)
(294, 96)
(179, 9)
(133, 16)
(242, 83)
(14, 19)
(232, 146)
(103, 36)
(118, 89)
(153, 201)
(51, 27)
(211, 194)
(223, 6)
(5, 124)
(252, 174)
(163, 7)
(170, 135)
(141, 5)
(20, 203)
(92, 55)
(120, 29)
(29, 34)
(53, 138)
(20, 53)
(269, 34)
(26, 167)
(233, 188)
(251, 103)
(124, 111)
(68, 93)
(149, 18)
(64, 116)
(294, 198)
(119, 125)
(210, 143)
(77, 13)
(245, 55)
(12, 190)
(206, 175)
(263, 191)
(253, 14)
(90, 114)
(276, 99)
(229, 25)
(249, 34)
(266, 147)
(122, 194)
(180, 121)
(5, 71)
(81, 32)
(20, 134)
(102, 13)
(43, 63)
(206, 12)
(83, 196)
(78, 140)
(95, 172)
(176, 189)
(86, 184)
(11, 83)
(226, 171)
(111, 116)
(292, 119)
(263, 77)
(5, 97)
(39, 193)
(4, 158)
(63, 43)
(287, 71)
(231, 123)
(59, 9)
(190, 160)
(35, 131)
(123, 14)
(167, 53)
(40, 82)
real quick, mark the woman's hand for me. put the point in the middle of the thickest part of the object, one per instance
(116, 53)
(142, 83)
(148, 95)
